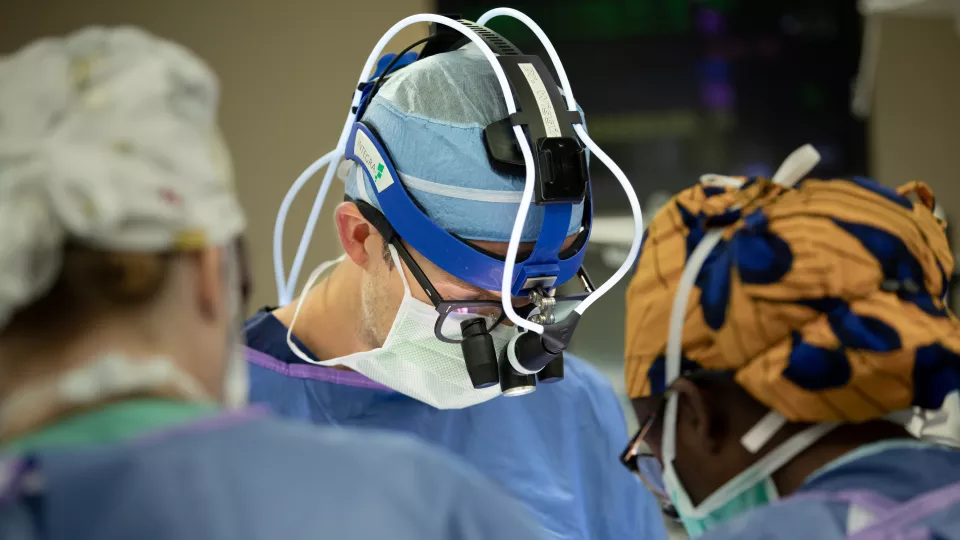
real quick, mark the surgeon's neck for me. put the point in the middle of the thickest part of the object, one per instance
(29, 361)
(834, 445)
(330, 316)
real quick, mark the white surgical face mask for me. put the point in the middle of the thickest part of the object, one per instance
(412, 360)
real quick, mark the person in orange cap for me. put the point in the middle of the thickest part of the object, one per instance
(779, 335)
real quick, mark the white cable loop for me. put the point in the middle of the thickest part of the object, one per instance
(281, 280)
(506, 286)
(285, 287)
(544, 40)
(514, 244)
(637, 221)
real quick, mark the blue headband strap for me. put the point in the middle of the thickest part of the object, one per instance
(450, 253)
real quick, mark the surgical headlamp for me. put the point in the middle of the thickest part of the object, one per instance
(544, 138)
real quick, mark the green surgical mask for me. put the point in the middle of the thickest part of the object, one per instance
(756, 495)
(752, 488)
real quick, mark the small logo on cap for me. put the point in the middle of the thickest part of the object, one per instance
(373, 161)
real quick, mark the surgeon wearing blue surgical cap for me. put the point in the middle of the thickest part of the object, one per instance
(370, 324)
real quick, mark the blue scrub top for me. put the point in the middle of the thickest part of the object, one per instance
(556, 449)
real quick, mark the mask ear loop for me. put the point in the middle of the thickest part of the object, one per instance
(396, 264)
(675, 334)
(764, 467)
(314, 276)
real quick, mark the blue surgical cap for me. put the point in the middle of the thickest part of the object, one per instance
(430, 117)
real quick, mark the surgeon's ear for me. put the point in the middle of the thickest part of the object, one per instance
(356, 233)
(696, 424)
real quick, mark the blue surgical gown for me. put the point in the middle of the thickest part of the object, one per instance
(555, 449)
(892, 473)
(234, 478)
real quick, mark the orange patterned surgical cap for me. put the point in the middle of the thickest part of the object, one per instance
(825, 300)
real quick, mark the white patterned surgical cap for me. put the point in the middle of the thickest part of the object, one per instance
(108, 137)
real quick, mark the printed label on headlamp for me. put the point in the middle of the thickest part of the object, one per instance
(550, 123)
(364, 148)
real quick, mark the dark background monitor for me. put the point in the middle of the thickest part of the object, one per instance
(673, 89)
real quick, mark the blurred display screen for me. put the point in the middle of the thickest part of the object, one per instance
(673, 89)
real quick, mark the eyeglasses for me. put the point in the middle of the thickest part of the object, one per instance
(641, 462)
(454, 312)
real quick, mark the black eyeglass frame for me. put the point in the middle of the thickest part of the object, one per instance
(445, 307)
(631, 454)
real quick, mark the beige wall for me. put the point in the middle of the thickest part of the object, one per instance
(915, 122)
(287, 70)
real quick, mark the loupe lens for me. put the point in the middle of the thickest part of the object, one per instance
(552, 372)
(479, 354)
(512, 383)
(451, 327)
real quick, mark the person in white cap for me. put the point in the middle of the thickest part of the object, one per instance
(122, 290)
